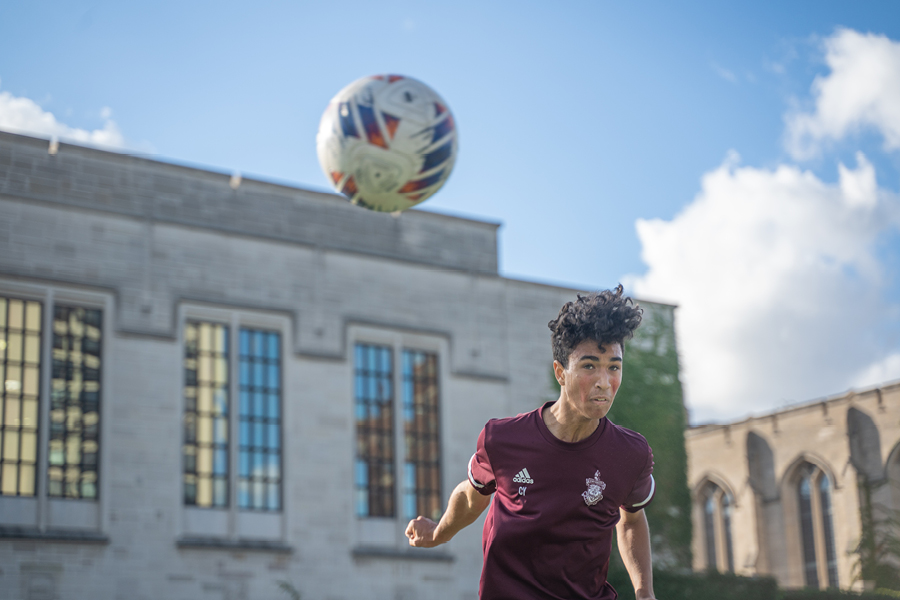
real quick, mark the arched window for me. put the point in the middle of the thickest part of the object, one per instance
(816, 528)
(717, 506)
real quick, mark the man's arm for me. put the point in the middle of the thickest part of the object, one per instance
(465, 505)
(633, 535)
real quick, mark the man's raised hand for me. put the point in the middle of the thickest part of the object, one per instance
(420, 532)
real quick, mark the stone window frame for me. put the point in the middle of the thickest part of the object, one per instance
(384, 536)
(231, 526)
(716, 490)
(43, 516)
(818, 469)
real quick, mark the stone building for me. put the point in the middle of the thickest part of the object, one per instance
(784, 494)
(213, 385)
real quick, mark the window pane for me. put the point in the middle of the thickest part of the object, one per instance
(274, 346)
(804, 496)
(259, 480)
(828, 529)
(245, 342)
(421, 423)
(20, 363)
(709, 526)
(273, 497)
(207, 405)
(374, 431)
(726, 528)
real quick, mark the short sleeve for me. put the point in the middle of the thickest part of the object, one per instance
(644, 487)
(481, 475)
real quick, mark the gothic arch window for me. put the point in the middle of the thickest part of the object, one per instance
(813, 489)
(717, 506)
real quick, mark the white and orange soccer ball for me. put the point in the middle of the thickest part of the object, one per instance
(387, 142)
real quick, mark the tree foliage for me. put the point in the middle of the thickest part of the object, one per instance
(877, 560)
(650, 402)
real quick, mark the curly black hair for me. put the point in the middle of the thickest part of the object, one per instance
(606, 317)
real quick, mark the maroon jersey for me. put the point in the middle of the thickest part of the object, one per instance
(548, 533)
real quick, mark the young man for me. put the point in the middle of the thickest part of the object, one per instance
(564, 475)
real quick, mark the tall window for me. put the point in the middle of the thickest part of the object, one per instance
(422, 471)
(717, 508)
(709, 530)
(259, 471)
(816, 527)
(374, 431)
(20, 362)
(206, 414)
(75, 403)
(417, 488)
(810, 568)
(208, 421)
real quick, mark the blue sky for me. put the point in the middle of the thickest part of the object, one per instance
(577, 121)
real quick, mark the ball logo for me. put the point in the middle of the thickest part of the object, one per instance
(387, 142)
(595, 487)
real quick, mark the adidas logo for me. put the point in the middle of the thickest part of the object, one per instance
(523, 477)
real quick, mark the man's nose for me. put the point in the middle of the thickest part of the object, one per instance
(603, 381)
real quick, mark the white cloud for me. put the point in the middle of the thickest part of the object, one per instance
(861, 91)
(880, 372)
(23, 115)
(778, 285)
(780, 277)
(724, 73)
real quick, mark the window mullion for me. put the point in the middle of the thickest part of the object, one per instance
(44, 411)
(818, 531)
(233, 422)
(719, 529)
(399, 435)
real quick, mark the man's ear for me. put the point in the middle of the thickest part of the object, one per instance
(560, 372)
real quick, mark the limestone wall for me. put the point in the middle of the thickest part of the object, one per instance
(756, 461)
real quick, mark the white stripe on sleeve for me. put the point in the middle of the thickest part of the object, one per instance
(649, 496)
(472, 478)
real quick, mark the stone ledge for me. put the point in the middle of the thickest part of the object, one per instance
(205, 543)
(394, 554)
(53, 535)
(151, 190)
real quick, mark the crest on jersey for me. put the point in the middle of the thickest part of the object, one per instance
(594, 492)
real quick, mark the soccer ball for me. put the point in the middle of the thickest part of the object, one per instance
(387, 142)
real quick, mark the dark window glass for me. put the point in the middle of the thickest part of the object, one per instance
(709, 526)
(726, 528)
(828, 529)
(804, 495)
(74, 442)
(374, 470)
(259, 441)
(20, 364)
(206, 414)
(421, 423)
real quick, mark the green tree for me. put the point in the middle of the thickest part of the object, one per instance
(877, 558)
